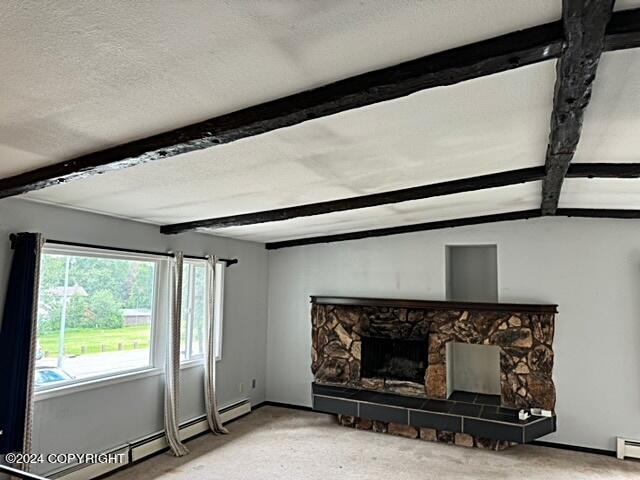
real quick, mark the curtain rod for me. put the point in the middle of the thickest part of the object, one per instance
(227, 261)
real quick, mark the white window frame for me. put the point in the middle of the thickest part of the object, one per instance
(198, 358)
(68, 386)
(218, 314)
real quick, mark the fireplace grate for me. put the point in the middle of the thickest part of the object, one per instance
(394, 358)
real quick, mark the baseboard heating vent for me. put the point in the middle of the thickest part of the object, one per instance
(83, 471)
(628, 448)
(148, 445)
(154, 443)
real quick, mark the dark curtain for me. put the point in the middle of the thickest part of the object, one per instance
(15, 340)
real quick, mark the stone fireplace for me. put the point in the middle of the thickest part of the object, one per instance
(400, 347)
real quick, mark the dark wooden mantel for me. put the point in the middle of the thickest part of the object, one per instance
(434, 304)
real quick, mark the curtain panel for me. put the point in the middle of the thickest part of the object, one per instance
(18, 343)
(172, 366)
(213, 415)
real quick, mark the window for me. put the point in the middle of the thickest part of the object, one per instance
(95, 315)
(98, 309)
(194, 309)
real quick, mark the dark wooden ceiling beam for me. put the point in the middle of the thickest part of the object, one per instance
(585, 23)
(603, 170)
(396, 196)
(420, 227)
(445, 68)
(623, 30)
(598, 213)
(459, 222)
(502, 179)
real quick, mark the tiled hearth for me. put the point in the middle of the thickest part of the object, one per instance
(463, 413)
(523, 333)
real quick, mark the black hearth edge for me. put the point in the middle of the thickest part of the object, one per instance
(559, 446)
(480, 417)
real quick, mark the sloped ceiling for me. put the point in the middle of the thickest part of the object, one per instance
(472, 128)
(88, 75)
(610, 134)
(81, 76)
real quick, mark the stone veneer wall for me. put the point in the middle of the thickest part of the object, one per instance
(525, 338)
(427, 434)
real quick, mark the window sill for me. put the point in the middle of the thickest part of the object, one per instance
(94, 383)
(195, 362)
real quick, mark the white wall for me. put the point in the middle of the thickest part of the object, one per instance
(98, 419)
(590, 268)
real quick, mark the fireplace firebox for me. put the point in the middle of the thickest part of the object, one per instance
(394, 358)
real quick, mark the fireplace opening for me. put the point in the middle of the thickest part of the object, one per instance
(394, 358)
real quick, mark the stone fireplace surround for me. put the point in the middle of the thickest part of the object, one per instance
(524, 334)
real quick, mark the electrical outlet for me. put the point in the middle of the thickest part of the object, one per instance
(241, 387)
(253, 383)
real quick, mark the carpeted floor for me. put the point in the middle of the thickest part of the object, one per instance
(278, 443)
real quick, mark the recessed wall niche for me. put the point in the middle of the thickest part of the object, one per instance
(472, 273)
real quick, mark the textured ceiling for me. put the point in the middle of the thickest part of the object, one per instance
(86, 75)
(611, 129)
(80, 76)
(622, 193)
(610, 134)
(626, 4)
(469, 204)
(471, 128)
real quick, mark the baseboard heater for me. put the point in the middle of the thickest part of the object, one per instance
(627, 448)
(147, 446)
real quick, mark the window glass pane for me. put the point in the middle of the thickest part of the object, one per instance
(199, 310)
(194, 304)
(186, 301)
(95, 316)
(194, 310)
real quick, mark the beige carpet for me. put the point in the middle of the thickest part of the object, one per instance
(277, 443)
